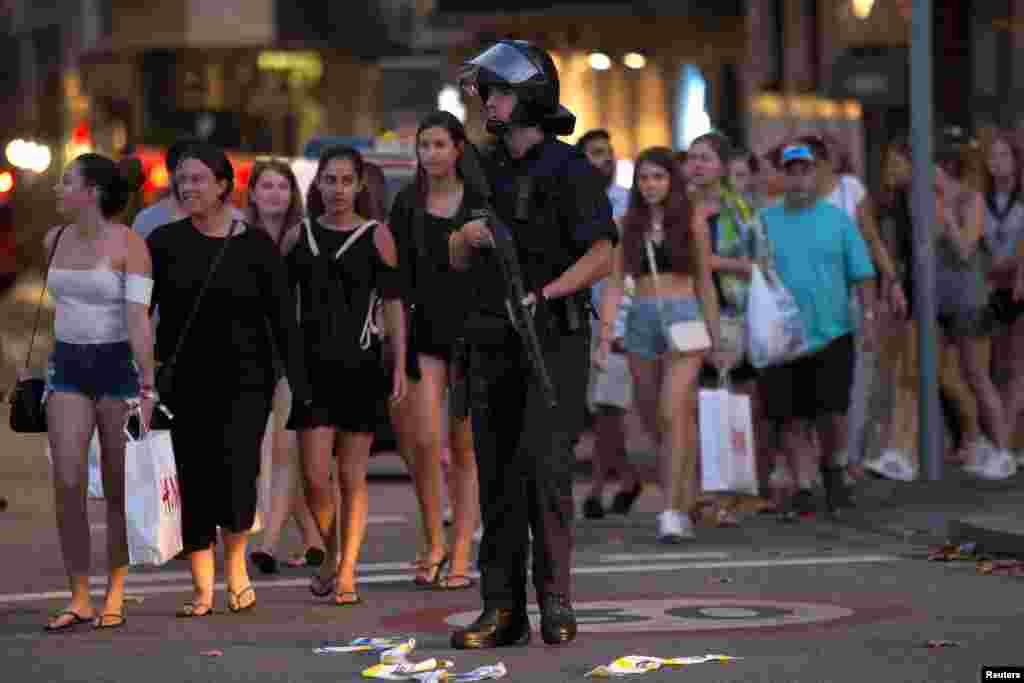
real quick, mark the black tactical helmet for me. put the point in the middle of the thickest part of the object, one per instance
(529, 72)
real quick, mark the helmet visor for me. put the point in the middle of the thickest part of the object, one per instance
(503, 62)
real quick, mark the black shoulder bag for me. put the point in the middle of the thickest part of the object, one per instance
(165, 373)
(28, 414)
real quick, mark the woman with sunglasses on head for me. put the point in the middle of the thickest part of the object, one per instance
(100, 277)
(662, 225)
(424, 217)
(221, 352)
(342, 263)
(275, 205)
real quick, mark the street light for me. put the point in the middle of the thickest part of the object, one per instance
(634, 60)
(600, 61)
(862, 8)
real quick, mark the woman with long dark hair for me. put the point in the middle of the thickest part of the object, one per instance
(424, 216)
(101, 279)
(275, 205)
(341, 264)
(224, 371)
(662, 225)
(1004, 230)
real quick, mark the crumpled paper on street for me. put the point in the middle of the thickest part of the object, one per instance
(483, 673)
(635, 664)
(406, 671)
(392, 650)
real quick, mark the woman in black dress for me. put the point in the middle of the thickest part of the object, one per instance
(342, 264)
(424, 217)
(224, 373)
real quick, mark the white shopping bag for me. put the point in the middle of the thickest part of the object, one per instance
(775, 330)
(726, 443)
(95, 472)
(152, 501)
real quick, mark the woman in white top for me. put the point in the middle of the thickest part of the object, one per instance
(101, 280)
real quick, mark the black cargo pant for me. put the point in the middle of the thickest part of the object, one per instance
(524, 453)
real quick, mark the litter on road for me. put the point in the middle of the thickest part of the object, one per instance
(634, 664)
(406, 671)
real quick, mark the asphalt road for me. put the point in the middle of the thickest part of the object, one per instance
(810, 602)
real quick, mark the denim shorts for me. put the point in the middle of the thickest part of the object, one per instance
(94, 370)
(649, 319)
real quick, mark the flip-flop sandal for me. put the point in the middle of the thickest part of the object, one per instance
(340, 602)
(100, 622)
(76, 620)
(435, 570)
(194, 610)
(264, 561)
(456, 582)
(235, 600)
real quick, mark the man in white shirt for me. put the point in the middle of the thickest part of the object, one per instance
(609, 395)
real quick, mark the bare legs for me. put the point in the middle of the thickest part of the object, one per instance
(610, 451)
(421, 418)
(1008, 352)
(72, 419)
(236, 573)
(316, 448)
(353, 456)
(666, 398)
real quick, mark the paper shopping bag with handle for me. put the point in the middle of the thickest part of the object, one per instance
(152, 500)
(726, 443)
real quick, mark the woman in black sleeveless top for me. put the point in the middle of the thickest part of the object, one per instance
(424, 216)
(342, 264)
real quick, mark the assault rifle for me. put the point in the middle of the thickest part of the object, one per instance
(508, 260)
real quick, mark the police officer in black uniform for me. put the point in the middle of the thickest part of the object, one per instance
(554, 204)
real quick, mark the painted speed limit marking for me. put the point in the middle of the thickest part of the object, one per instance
(686, 615)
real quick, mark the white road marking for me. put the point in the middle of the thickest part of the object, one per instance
(169, 577)
(387, 578)
(655, 557)
(99, 526)
(387, 519)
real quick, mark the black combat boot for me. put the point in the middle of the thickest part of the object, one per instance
(496, 627)
(557, 619)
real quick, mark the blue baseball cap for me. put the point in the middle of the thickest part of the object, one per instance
(797, 153)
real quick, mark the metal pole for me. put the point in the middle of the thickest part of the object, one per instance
(930, 435)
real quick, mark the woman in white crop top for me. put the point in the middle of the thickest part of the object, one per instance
(100, 278)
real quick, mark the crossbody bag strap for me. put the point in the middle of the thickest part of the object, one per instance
(199, 297)
(42, 294)
(657, 280)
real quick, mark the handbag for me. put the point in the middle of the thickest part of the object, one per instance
(164, 379)
(683, 336)
(28, 414)
(727, 460)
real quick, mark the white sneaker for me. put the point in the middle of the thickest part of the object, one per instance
(893, 464)
(478, 535)
(994, 465)
(674, 527)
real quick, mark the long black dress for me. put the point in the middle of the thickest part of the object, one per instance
(225, 374)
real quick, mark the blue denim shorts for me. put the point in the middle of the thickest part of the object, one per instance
(94, 370)
(649, 319)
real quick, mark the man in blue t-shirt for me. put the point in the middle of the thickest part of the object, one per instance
(821, 258)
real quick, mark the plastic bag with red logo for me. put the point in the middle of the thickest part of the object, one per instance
(152, 500)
